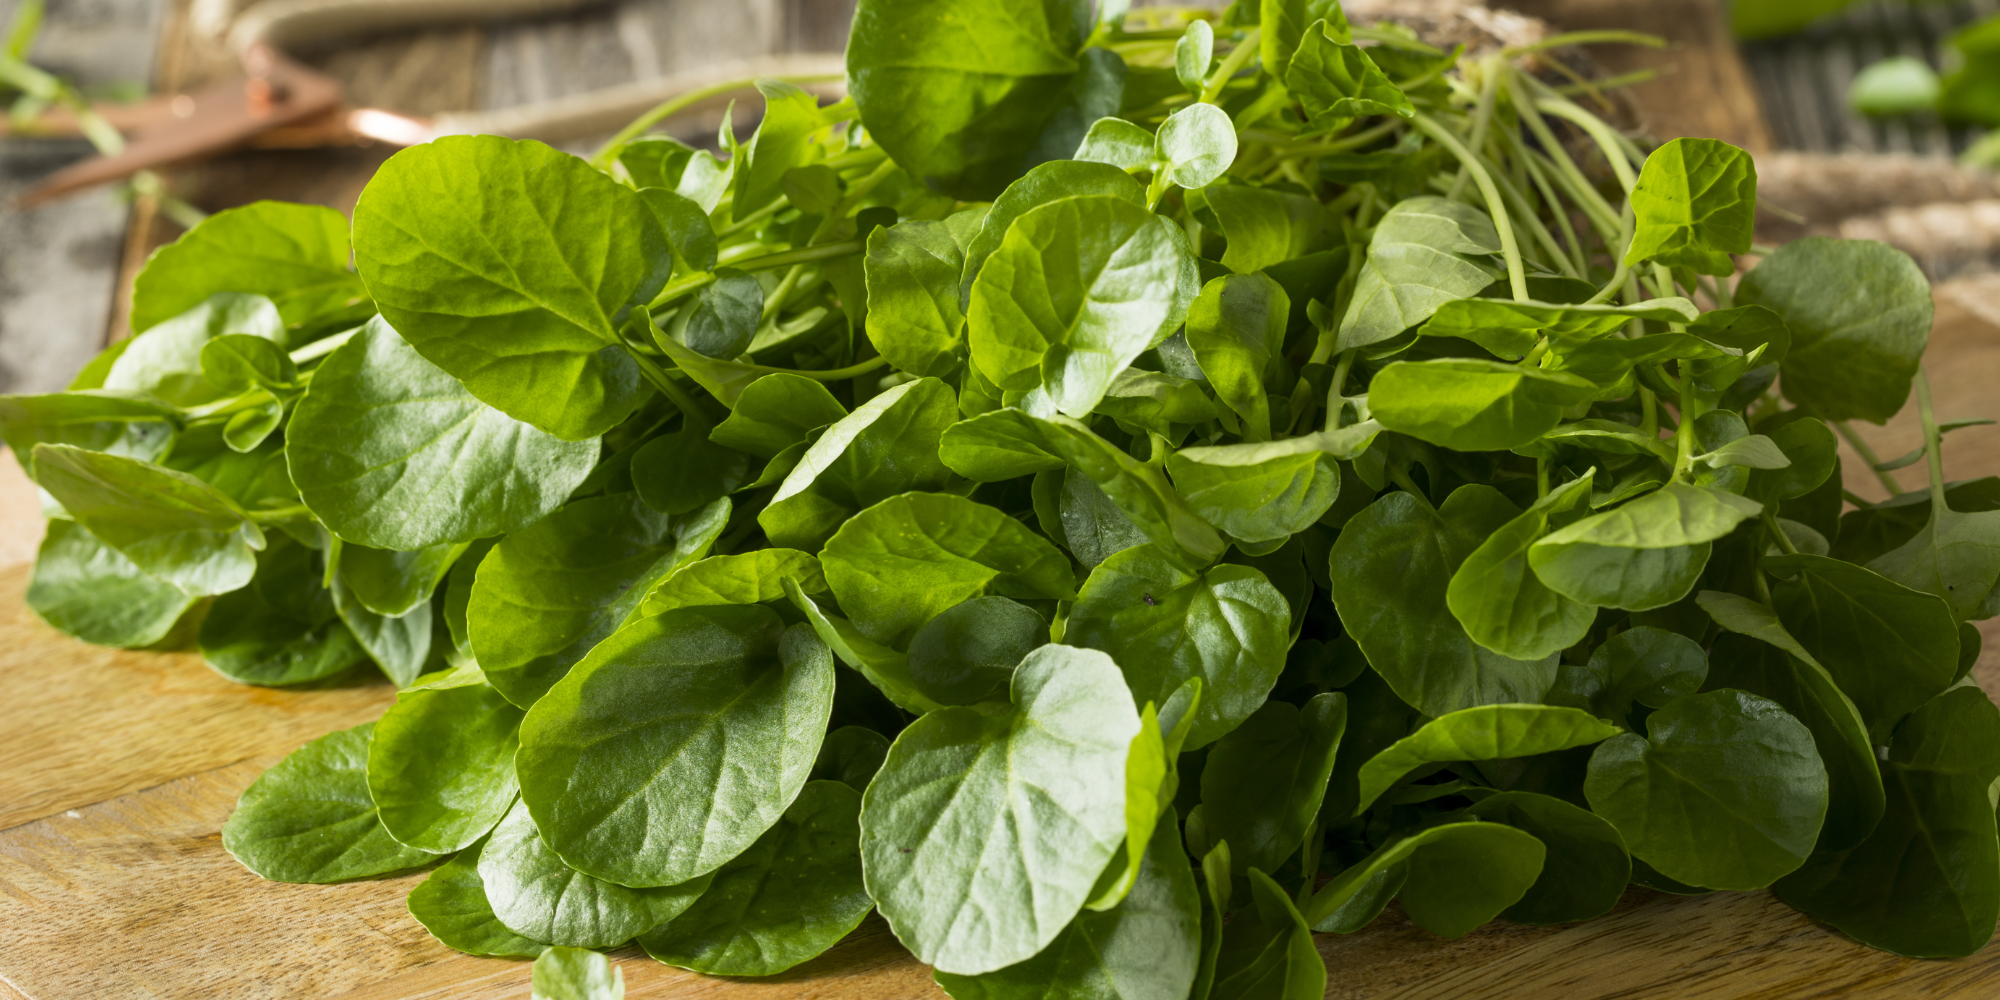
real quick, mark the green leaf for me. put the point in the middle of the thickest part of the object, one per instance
(1426, 251)
(237, 362)
(440, 767)
(1258, 492)
(394, 583)
(1859, 314)
(1193, 54)
(1695, 204)
(1236, 328)
(1267, 950)
(1724, 791)
(1501, 604)
(982, 835)
(400, 645)
(89, 590)
(1470, 404)
(1195, 145)
(785, 139)
(1264, 780)
(575, 974)
(282, 628)
(955, 91)
(723, 317)
(511, 265)
(390, 452)
(1144, 948)
(1092, 524)
(968, 653)
(451, 904)
(1643, 664)
(902, 562)
(1643, 554)
(1926, 882)
(547, 594)
(1391, 568)
(119, 423)
(535, 895)
(1077, 289)
(1163, 625)
(294, 255)
(1812, 456)
(1269, 226)
(1045, 183)
(884, 667)
(1486, 732)
(686, 224)
(1890, 648)
(1452, 878)
(165, 361)
(851, 755)
(745, 578)
(887, 446)
(676, 743)
(914, 318)
(1753, 452)
(1336, 82)
(1510, 329)
(172, 526)
(309, 818)
(682, 472)
(1119, 143)
(788, 897)
(1586, 867)
(1955, 556)
(778, 411)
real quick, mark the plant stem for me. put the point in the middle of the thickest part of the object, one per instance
(1867, 455)
(1492, 68)
(1933, 443)
(1580, 188)
(802, 255)
(1778, 532)
(681, 102)
(1401, 477)
(1237, 59)
(1517, 276)
(1336, 392)
(1649, 413)
(322, 347)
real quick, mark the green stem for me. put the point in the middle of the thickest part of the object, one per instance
(1541, 477)
(1580, 188)
(1578, 256)
(1867, 455)
(1517, 275)
(322, 347)
(1597, 37)
(1624, 270)
(1933, 444)
(777, 205)
(803, 255)
(1778, 532)
(681, 102)
(1400, 475)
(1522, 205)
(1237, 59)
(1492, 68)
(1684, 434)
(1649, 413)
(1336, 395)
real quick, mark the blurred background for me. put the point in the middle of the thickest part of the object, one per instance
(1868, 118)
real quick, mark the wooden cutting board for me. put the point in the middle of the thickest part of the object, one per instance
(118, 768)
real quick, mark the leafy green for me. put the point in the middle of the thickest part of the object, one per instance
(294, 255)
(887, 446)
(1695, 204)
(1426, 251)
(1485, 732)
(310, 818)
(1263, 781)
(438, 767)
(535, 895)
(1859, 313)
(173, 527)
(563, 973)
(89, 590)
(451, 904)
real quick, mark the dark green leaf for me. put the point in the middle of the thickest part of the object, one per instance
(1586, 867)
(309, 818)
(1486, 732)
(535, 895)
(1647, 665)
(1263, 781)
(968, 653)
(1470, 404)
(1859, 314)
(86, 589)
(452, 905)
(441, 765)
(887, 446)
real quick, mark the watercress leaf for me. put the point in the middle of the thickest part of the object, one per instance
(547, 594)
(440, 768)
(399, 645)
(1892, 649)
(914, 314)
(1695, 204)
(1485, 732)
(1510, 329)
(1118, 142)
(850, 755)
(172, 526)
(119, 423)
(1164, 624)
(887, 446)
(778, 411)
(1253, 494)
(723, 317)
(1077, 289)
(1610, 361)
(89, 590)
(784, 139)
(676, 743)
(236, 362)
(248, 428)
(885, 668)
(1501, 604)
(393, 583)
(1458, 875)
(1471, 404)
(1426, 251)
(968, 653)
(1586, 868)
(655, 161)
(1674, 515)
(1859, 313)
(744, 578)
(1745, 328)
(684, 471)
(1267, 227)
(294, 255)
(1619, 577)
(1196, 145)
(563, 973)
(1724, 791)
(788, 897)
(390, 452)
(686, 224)
(1753, 452)
(999, 445)
(309, 818)
(1266, 950)
(1643, 664)
(1145, 948)
(1236, 328)
(1264, 780)
(282, 628)
(534, 894)
(1193, 54)
(165, 361)
(1955, 556)
(1092, 524)
(725, 380)
(1336, 82)
(954, 93)
(451, 904)
(1391, 568)
(511, 265)
(982, 835)
(1811, 455)
(1045, 183)
(1926, 882)
(900, 563)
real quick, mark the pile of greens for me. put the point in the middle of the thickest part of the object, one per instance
(1114, 497)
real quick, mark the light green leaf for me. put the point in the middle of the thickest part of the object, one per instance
(441, 765)
(394, 583)
(576, 974)
(95, 420)
(1426, 251)
(887, 669)
(745, 578)
(89, 590)
(1486, 732)
(1501, 604)
(294, 255)
(1052, 181)
(1470, 404)
(451, 904)
(914, 318)
(785, 139)
(309, 818)
(165, 361)
(887, 446)
(1236, 328)
(238, 362)
(399, 644)
(1256, 501)
(1118, 142)
(1195, 145)
(968, 653)
(1268, 226)
(1695, 203)
(172, 526)
(535, 895)
(1336, 82)
(778, 411)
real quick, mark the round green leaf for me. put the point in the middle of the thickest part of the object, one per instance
(887, 446)
(165, 361)
(1501, 604)
(969, 652)
(309, 818)
(536, 896)
(89, 590)
(1643, 664)
(440, 768)
(914, 318)
(174, 527)
(1859, 314)
(1486, 732)
(294, 255)
(1045, 183)
(452, 905)
(745, 578)
(1586, 867)
(1263, 781)
(1198, 143)
(1468, 404)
